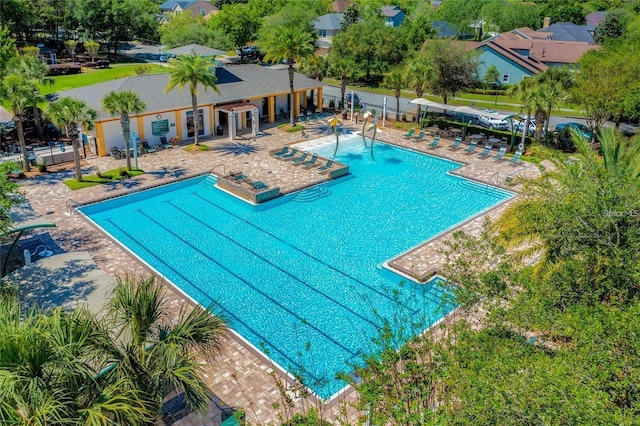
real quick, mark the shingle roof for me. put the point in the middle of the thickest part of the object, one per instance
(540, 52)
(566, 31)
(390, 11)
(236, 83)
(330, 21)
(195, 48)
(505, 48)
(169, 5)
(340, 5)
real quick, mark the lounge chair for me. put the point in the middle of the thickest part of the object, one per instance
(419, 137)
(290, 155)
(237, 176)
(516, 157)
(115, 153)
(487, 150)
(256, 185)
(456, 143)
(434, 143)
(326, 167)
(164, 143)
(280, 153)
(146, 147)
(300, 159)
(410, 134)
(310, 163)
(472, 147)
(302, 119)
(500, 155)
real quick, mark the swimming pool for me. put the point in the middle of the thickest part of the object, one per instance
(300, 276)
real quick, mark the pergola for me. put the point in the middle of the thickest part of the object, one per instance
(233, 110)
(467, 113)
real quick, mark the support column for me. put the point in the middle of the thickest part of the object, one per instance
(296, 104)
(140, 120)
(272, 109)
(178, 125)
(100, 142)
(319, 109)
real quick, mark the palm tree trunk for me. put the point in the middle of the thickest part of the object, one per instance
(126, 133)
(292, 118)
(343, 90)
(397, 105)
(419, 94)
(23, 144)
(74, 135)
(38, 121)
(196, 123)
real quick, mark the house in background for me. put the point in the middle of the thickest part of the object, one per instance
(519, 58)
(392, 15)
(327, 26)
(202, 8)
(249, 95)
(566, 31)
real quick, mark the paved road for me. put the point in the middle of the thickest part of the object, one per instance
(374, 100)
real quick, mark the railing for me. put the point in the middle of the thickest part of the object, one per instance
(72, 205)
(224, 172)
(495, 175)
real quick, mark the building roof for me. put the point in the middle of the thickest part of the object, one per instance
(195, 48)
(539, 53)
(330, 21)
(235, 83)
(390, 11)
(527, 33)
(340, 5)
(171, 4)
(567, 31)
(198, 5)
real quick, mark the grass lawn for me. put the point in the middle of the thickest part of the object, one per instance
(108, 176)
(92, 76)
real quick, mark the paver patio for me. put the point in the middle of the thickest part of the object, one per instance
(240, 376)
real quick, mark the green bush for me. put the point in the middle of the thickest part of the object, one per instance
(123, 173)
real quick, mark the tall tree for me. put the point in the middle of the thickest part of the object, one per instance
(38, 73)
(527, 91)
(72, 115)
(395, 81)
(155, 350)
(454, 67)
(7, 49)
(342, 68)
(612, 26)
(294, 45)
(351, 16)
(554, 84)
(124, 103)
(563, 11)
(19, 92)
(192, 70)
(418, 73)
(461, 14)
(241, 27)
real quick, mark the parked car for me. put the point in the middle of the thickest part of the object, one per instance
(356, 100)
(580, 128)
(519, 125)
(492, 122)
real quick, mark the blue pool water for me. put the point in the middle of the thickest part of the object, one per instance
(300, 276)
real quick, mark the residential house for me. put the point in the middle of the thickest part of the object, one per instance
(327, 26)
(249, 94)
(518, 58)
(202, 8)
(392, 15)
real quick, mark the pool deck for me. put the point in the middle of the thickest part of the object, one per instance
(240, 375)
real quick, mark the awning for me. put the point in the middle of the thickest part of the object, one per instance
(237, 107)
(462, 109)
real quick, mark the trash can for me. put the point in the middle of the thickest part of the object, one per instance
(219, 130)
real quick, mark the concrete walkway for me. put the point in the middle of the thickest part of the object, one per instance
(240, 376)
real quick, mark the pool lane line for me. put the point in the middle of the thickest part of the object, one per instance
(239, 278)
(262, 338)
(267, 261)
(371, 288)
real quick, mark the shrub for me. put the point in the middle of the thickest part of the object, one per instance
(123, 173)
(42, 167)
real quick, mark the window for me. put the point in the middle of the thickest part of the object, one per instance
(505, 78)
(190, 132)
(203, 12)
(322, 33)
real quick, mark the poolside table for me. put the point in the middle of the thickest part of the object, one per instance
(477, 137)
(495, 140)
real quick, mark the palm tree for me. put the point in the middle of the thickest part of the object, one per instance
(49, 376)
(294, 45)
(124, 103)
(19, 92)
(156, 351)
(38, 73)
(343, 69)
(69, 114)
(555, 84)
(395, 81)
(418, 73)
(193, 70)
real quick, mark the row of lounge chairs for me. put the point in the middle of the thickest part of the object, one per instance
(486, 152)
(420, 137)
(143, 148)
(239, 177)
(308, 118)
(304, 160)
